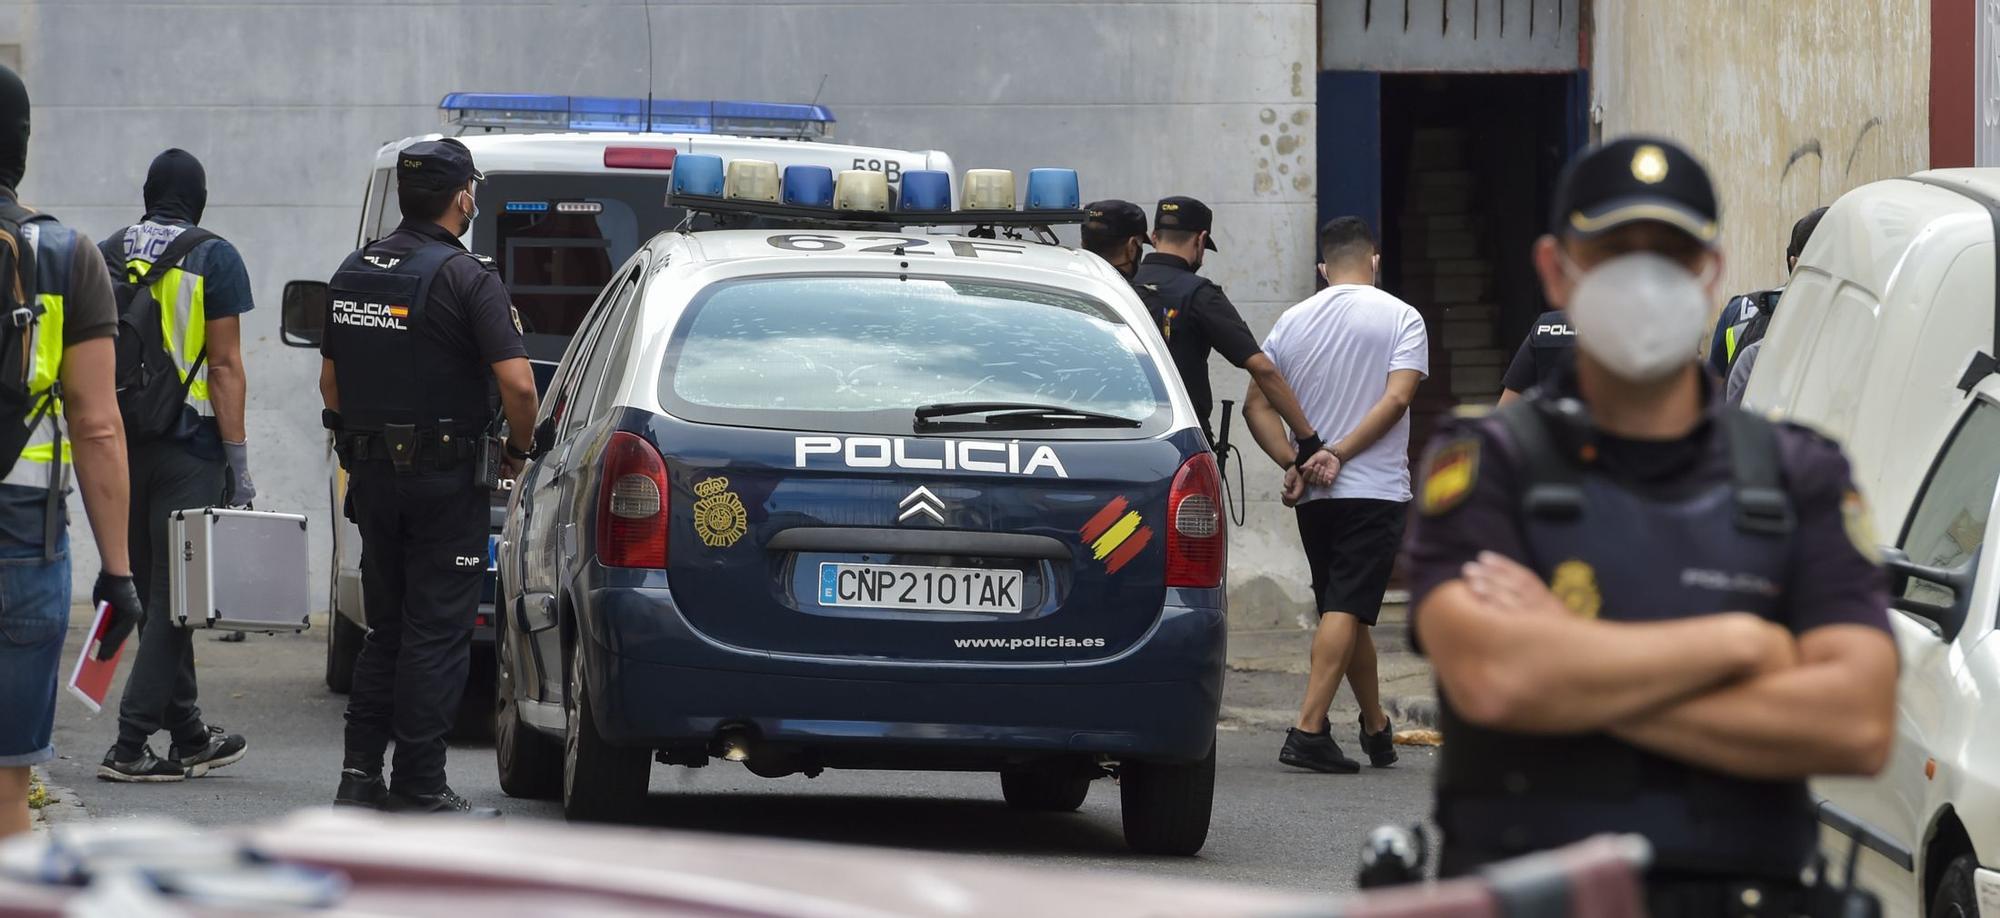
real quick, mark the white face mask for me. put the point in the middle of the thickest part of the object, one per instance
(1639, 315)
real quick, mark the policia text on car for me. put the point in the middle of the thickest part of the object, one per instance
(1648, 611)
(419, 330)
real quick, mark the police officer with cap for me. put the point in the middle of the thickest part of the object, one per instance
(1196, 318)
(418, 335)
(1648, 611)
(1116, 232)
(1549, 346)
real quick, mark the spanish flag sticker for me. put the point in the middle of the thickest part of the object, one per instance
(1449, 475)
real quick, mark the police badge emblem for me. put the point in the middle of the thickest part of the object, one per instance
(1575, 585)
(719, 518)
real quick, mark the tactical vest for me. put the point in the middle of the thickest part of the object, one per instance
(50, 249)
(392, 367)
(1606, 550)
(1172, 293)
(182, 294)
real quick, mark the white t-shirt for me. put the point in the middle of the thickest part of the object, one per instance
(1337, 350)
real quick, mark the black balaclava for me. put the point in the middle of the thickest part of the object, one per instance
(176, 188)
(13, 128)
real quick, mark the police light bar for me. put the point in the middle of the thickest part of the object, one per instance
(523, 111)
(863, 197)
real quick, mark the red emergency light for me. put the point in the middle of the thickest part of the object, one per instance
(639, 157)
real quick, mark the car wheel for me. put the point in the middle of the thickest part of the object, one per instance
(1166, 804)
(343, 647)
(1955, 896)
(601, 782)
(531, 765)
(1045, 790)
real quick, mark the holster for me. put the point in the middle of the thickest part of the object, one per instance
(401, 442)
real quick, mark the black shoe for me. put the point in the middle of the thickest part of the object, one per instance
(1381, 747)
(142, 768)
(362, 789)
(1316, 751)
(222, 748)
(445, 800)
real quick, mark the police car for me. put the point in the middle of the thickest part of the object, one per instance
(574, 186)
(1886, 339)
(842, 494)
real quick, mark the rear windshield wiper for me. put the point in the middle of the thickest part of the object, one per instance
(1001, 415)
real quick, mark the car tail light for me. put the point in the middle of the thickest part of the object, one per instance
(632, 504)
(1197, 539)
(639, 157)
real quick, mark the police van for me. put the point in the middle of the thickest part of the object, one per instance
(1886, 339)
(842, 493)
(574, 186)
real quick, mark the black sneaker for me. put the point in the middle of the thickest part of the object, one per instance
(445, 800)
(362, 789)
(1381, 747)
(145, 768)
(1316, 751)
(222, 748)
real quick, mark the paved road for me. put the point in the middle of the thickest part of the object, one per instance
(1273, 826)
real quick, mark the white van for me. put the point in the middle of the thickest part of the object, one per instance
(1885, 340)
(574, 186)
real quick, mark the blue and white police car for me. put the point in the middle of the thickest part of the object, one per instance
(836, 492)
(575, 185)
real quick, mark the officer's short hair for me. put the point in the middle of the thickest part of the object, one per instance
(1802, 232)
(424, 203)
(1175, 237)
(1344, 238)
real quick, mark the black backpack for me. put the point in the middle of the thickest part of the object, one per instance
(152, 394)
(20, 309)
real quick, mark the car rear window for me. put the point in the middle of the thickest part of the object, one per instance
(861, 354)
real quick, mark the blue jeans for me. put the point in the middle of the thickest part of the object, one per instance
(34, 618)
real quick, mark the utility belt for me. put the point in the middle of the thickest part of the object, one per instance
(410, 449)
(1770, 841)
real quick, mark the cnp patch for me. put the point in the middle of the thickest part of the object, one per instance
(1575, 584)
(719, 518)
(1449, 476)
(1860, 524)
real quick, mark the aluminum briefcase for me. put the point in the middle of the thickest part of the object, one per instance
(242, 570)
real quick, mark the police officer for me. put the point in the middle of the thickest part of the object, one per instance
(1197, 318)
(1116, 232)
(1547, 347)
(1647, 610)
(418, 332)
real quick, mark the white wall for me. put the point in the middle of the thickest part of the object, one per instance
(284, 100)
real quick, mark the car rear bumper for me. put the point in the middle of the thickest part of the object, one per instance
(656, 682)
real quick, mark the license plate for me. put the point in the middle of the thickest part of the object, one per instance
(928, 589)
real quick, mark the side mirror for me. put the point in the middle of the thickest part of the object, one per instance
(303, 319)
(545, 436)
(1949, 619)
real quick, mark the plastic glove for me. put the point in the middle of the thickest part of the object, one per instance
(126, 612)
(240, 490)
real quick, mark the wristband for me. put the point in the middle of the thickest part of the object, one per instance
(1307, 447)
(515, 452)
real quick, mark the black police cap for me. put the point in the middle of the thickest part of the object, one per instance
(438, 165)
(1112, 220)
(1634, 180)
(1181, 212)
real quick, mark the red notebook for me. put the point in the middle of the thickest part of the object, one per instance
(91, 680)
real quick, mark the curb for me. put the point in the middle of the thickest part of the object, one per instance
(64, 806)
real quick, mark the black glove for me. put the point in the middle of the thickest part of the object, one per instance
(126, 612)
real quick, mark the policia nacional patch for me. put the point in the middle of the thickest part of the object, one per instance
(1449, 475)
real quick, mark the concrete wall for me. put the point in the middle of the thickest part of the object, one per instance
(1431, 36)
(1789, 104)
(284, 100)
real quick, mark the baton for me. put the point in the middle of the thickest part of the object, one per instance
(1222, 439)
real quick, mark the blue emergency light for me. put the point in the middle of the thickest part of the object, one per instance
(807, 186)
(698, 174)
(926, 191)
(1053, 189)
(542, 112)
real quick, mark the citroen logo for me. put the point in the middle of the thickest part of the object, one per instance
(921, 501)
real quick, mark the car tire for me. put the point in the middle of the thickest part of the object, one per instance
(1045, 790)
(1955, 896)
(601, 782)
(1166, 804)
(530, 764)
(343, 647)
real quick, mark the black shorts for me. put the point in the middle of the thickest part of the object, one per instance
(1351, 545)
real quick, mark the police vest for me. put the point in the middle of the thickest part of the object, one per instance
(392, 367)
(1605, 550)
(1172, 293)
(182, 295)
(1552, 332)
(47, 451)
